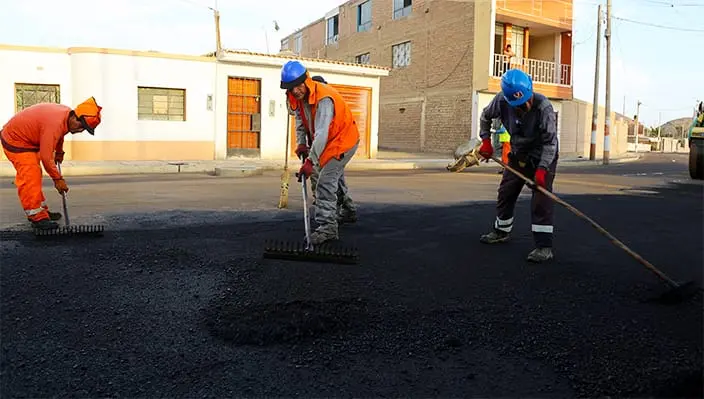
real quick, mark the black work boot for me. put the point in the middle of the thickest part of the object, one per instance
(45, 224)
(495, 237)
(540, 255)
(54, 215)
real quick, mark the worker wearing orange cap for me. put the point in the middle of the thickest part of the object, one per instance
(37, 134)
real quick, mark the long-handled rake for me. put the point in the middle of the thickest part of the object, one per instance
(679, 291)
(306, 252)
(69, 230)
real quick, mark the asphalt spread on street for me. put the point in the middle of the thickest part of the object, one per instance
(194, 311)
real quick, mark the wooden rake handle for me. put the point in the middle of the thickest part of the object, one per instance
(600, 229)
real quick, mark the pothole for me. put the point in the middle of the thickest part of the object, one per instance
(280, 323)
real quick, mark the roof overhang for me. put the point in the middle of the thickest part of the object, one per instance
(277, 61)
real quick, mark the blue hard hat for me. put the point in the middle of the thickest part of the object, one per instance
(517, 87)
(293, 73)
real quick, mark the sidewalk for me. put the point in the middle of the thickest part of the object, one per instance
(243, 167)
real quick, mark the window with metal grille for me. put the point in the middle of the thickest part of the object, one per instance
(27, 94)
(161, 104)
(362, 58)
(402, 8)
(364, 16)
(401, 54)
(332, 29)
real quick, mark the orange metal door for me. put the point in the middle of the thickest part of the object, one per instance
(243, 115)
(359, 99)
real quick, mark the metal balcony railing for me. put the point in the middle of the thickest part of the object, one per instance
(541, 71)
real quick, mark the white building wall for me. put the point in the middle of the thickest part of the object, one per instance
(112, 77)
(113, 80)
(32, 67)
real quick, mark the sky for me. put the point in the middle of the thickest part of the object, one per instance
(653, 65)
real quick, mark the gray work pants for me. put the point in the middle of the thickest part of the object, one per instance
(542, 207)
(330, 191)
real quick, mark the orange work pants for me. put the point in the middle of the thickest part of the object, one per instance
(28, 180)
(505, 150)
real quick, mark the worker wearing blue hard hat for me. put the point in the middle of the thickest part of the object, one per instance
(532, 124)
(327, 138)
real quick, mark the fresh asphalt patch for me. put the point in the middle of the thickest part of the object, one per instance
(192, 309)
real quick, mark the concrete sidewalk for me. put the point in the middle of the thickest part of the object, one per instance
(243, 167)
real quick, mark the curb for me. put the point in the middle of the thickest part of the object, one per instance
(7, 170)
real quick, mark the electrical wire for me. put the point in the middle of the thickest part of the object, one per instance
(658, 26)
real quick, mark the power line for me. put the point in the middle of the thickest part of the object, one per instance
(659, 26)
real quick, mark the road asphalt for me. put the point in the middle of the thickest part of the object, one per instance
(176, 301)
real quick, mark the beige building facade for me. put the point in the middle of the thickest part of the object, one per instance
(446, 59)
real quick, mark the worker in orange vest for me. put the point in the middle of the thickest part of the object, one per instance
(34, 135)
(327, 138)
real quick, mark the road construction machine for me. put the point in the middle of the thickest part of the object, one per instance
(695, 140)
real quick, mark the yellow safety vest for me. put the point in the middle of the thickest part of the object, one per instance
(503, 134)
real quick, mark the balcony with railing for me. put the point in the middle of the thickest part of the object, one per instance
(545, 72)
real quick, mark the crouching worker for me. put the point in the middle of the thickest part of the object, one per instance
(34, 135)
(327, 137)
(532, 125)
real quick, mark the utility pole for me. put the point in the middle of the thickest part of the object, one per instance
(595, 103)
(216, 15)
(607, 106)
(637, 129)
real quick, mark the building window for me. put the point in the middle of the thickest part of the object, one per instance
(364, 16)
(298, 43)
(284, 44)
(332, 29)
(401, 54)
(402, 8)
(27, 95)
(362, 58)
(161, 104)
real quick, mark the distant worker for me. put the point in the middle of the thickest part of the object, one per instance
(532, 124)
(327, 137)
(37, 134)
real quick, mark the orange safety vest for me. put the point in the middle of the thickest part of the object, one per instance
(343, 133)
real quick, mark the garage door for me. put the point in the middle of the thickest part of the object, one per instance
(359, 99)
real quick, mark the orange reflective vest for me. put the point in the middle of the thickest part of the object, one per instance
(343, 133)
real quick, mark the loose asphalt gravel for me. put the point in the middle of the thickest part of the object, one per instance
(194, 311)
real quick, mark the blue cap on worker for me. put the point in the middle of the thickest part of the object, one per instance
(293, 73)
(517, 87)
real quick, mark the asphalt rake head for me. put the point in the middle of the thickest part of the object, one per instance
(70, 231)
(297, 251)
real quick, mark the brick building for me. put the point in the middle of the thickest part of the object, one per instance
(446, 59)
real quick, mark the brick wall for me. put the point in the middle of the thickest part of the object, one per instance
(440, 72)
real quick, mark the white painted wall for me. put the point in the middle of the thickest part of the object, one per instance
(113, 80)
(31, 67)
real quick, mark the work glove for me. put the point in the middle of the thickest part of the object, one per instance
(58, 157)
(540, 175)
(60, 185)
(306, 169)
(486, 150)
(302, 149)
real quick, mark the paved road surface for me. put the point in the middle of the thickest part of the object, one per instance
(176, 300)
